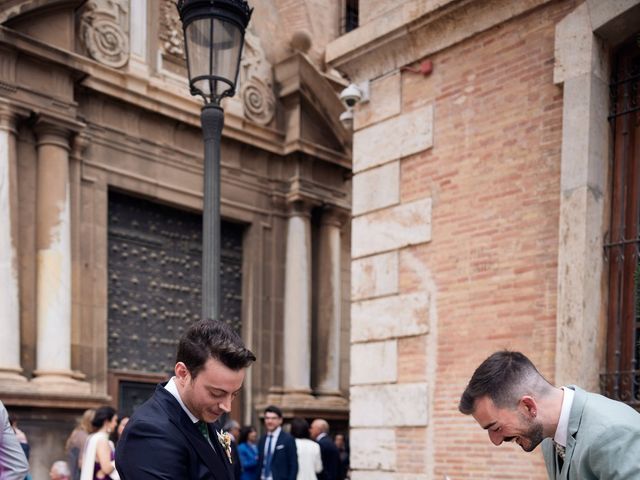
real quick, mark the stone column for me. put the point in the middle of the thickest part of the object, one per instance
(9, 292)
(329, 302)
(297, 300)
(53, 244)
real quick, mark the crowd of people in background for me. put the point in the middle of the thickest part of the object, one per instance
(89, 448)
(296, 451)
(303, 452)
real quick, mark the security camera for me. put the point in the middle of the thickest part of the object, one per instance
(351, 96)
(346, 118)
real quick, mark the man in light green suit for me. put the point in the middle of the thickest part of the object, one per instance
(584, 436)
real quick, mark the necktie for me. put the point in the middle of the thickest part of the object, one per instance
(560, 452)
(204, 430)
(267, 458)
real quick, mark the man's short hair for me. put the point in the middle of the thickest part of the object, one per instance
(504, 377)
(273, 409)
(212, 339)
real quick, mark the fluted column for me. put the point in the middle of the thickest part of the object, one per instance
(53, 244)
(10, 368)
(297, 300)
(329, 315)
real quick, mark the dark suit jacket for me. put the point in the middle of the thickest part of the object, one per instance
(161, 442)
(284, 463)
(331, 465)
(237, 467)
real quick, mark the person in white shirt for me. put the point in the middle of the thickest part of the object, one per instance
(309, 459)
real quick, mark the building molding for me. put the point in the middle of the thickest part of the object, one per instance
(414, 30)
(582, 44)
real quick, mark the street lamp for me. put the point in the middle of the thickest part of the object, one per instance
(213, 39)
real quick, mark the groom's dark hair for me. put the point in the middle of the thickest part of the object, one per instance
(212, 339)
(505, 377)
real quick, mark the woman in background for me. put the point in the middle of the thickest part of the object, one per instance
(117, 432)
(248, 453)
(309, 459)
(76, 441)
(98, 462)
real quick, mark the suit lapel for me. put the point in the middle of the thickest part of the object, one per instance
(222, 454)
(212, 458)
(575, 417)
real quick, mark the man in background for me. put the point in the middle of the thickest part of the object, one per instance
(331, 467)
(278, 455)
(233, 428)
(60, 471)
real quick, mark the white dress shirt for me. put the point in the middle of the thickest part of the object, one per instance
(562, 430)
(274, 439)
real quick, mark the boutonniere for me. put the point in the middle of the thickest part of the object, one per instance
(225, 440)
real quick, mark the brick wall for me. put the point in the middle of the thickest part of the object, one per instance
(455, 244)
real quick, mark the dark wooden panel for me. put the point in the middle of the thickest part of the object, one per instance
(155, 254)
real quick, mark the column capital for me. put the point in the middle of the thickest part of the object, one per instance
(335, 215)
(9, 115)
(55, 130)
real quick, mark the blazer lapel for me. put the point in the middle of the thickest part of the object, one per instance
(575, 417)
(222, 454)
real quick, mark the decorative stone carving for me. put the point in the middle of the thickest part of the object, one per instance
(256, 78)
(104, 31)
(171, 35)
(259, 101)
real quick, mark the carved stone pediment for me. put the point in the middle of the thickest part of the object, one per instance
(104, 31)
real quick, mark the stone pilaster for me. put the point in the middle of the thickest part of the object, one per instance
(329, 302)
(10, 367)
(297, 300)
(53, 243)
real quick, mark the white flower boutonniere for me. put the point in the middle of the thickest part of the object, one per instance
(225, 440)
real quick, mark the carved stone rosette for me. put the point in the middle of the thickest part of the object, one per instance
(104, 31)
(256, 78)
(259, 101)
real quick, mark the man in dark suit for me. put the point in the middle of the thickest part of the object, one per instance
(172, 435)
(331, 466)
(233, 428)
(278, 455)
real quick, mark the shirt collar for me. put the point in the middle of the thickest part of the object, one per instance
(320, 436)
(172, 388)
(562, 430)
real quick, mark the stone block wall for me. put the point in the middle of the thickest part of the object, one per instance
(456, 197)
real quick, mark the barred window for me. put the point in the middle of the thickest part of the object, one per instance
(621, 379)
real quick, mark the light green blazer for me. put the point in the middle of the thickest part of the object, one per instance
(603, 442)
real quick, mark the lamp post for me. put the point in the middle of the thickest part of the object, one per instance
(213, 39)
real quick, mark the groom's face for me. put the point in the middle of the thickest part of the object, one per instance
(509, 424)
(210, 394)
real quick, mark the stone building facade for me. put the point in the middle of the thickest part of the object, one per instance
(101, 178)
(486, 183)
(472, 208)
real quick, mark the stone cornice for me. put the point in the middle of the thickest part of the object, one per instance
(154, 94)
(414, 30)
